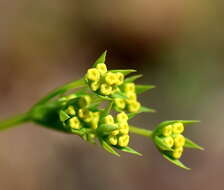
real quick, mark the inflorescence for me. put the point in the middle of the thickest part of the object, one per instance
(100, 110)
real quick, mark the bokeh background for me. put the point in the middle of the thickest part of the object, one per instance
(177, 45)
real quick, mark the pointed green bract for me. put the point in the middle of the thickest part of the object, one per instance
(143, 88)
(108, 148)
(141, 110)
(190, 144)
(129, 150)
(119, 95)
(101, 59)
(63, 116)
(132, 78)
(160, 144)
(124, 72)
(176, 162)
(106, 128)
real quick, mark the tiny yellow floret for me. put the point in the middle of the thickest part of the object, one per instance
(111, 78)
(179, 141)
(74, 123)
(177, 153)
(120, 103)
(131, 96)
(120, 78)
(123, 140)
(86, 115)
(115, 132)
(105, 89)
(84, 101)
(71, 110)
(112, 140)
(168, 141)
(93, 74)
(129, 87)
(102, 68)
(167, 130)
(109, 120)
(134, 106)
(122, 117)
(95, 85)
(178, 128)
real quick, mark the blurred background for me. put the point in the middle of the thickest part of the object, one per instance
(177, 45)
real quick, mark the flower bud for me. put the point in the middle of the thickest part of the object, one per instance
(70, 110)
(102, 68)
(122, 117)
(120, 103)
(105, 89)
(134, 106)
(95, 86)
(93, 74)
(167, 130)
(129, 87)
(179, 141)
(178, 128)
(115, 132)
(120, 78)
(111, 78)
(168, 141)
(85, 114)
(112, 140)
(84, 101)
(109, 120)
(177, 153)
(74, 123)
(123, 140)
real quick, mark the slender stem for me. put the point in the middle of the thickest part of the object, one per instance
(61, 90)
(13, 121)
(140, 131)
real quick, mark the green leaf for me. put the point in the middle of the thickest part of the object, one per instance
(176, 162)
(191, 144)
(107, 110)
(160, 144)
(63, 116)
(132, 78)
(108, 148)
(129, 150)
(103, 97)
(124, 72)
(119, 95)
(101, 59)
(143, 88)
(106, 128)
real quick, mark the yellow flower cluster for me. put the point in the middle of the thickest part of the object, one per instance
(172, 138)
(81, 115)
(131, 103)
(103, 81)
(120, 136)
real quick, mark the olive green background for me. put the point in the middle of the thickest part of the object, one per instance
(177, 45)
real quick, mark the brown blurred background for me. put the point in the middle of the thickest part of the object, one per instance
(177, 45)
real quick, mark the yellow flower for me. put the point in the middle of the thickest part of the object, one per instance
(115, 132)
(122, 117)
(129, 87)
(95, 120)
(95, 85)
(177, 153)
(86, 115)
(131, 96)
(102, 68)
(93, 74)
(120, 78)
(134, 106)
(111, 78)
(105, 89)
(123, 140)
(109, 120)
(179, 140)
(120, 103)
(84, 101)
(71, 110)
(112, 140)
(178, 128)
(168, 141)
(74, 123)
(167, 130)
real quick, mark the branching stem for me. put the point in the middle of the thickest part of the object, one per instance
(140, 131)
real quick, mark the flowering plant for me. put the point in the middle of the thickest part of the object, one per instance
(99, 106)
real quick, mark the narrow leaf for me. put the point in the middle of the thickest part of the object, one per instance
(106, 129)
(141, 110)
(129, 150)
(143, 88)
(63, 116)
(119, 95)
(176, 162)
(108, 148)
(132, 78)
(190, 144)
(160, 144)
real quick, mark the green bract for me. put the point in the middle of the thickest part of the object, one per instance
(99, 107)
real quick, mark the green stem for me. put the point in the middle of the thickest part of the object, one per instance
(61, 90)
(13, 121)
(140, 131)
